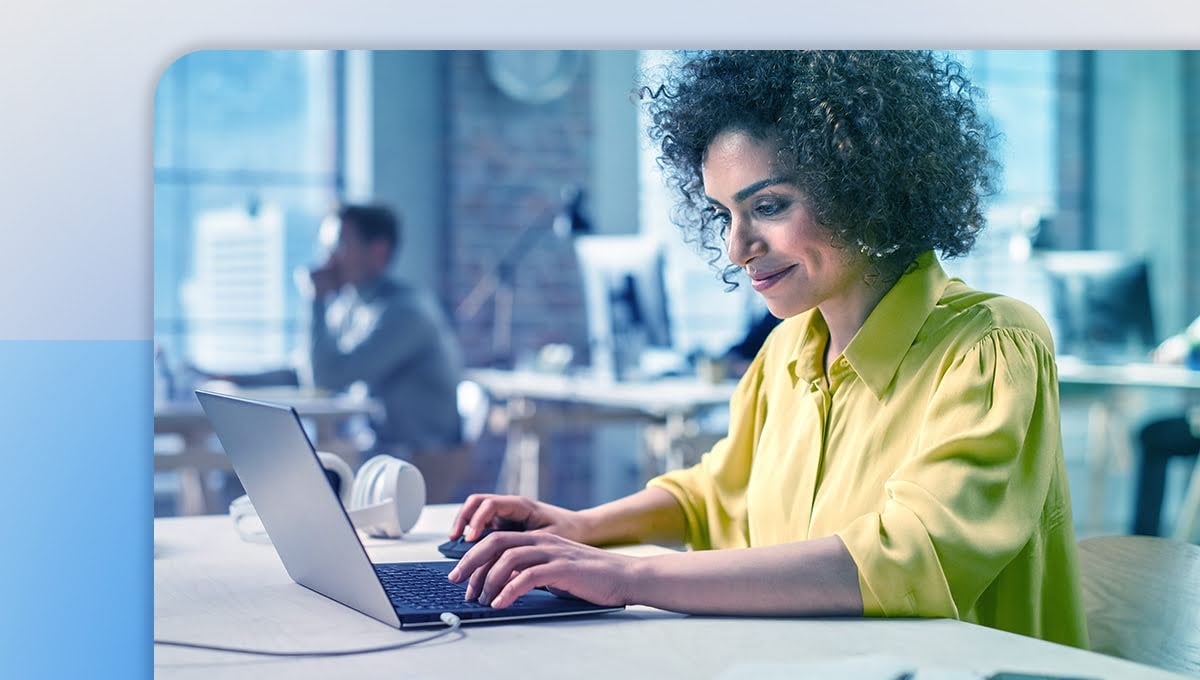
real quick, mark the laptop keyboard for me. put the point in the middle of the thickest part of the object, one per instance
(424, 589)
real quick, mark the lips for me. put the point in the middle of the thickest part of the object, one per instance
(764, 280)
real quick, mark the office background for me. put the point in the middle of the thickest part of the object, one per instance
(1101, 151)
(98, 309)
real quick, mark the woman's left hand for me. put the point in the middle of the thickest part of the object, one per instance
(508, 564)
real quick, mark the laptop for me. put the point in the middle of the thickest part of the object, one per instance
(318, 545)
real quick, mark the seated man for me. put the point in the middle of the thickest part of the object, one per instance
(392, 336)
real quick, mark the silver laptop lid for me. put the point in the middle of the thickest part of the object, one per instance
(307, 524)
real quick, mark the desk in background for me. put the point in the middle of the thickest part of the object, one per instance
(186, 419)
(211, 587)
(534, 404)
(1109, 428)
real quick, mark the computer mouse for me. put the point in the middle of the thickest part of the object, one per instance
(455, 549)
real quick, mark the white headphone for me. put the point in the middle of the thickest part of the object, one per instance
(384, 500)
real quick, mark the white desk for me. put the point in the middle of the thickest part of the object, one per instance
(1108, 427)
(185, 418)
(211, 587)
(1156, 376)
(536, 403)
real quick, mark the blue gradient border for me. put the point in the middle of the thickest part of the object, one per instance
(76, 568)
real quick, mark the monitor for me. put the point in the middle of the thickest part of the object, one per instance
(625, 298)
(1102, 308)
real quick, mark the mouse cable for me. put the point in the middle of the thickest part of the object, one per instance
(452, 624)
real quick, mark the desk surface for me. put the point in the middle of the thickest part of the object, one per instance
(1073, 371)
(211, 587)
(656, 397)
(675, 394)
(306, 402)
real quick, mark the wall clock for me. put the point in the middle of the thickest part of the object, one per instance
(532, 76)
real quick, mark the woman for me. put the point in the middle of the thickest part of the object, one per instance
(894, 448)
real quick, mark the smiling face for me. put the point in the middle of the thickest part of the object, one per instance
(769, 230)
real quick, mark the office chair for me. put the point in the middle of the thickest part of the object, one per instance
(445, 470)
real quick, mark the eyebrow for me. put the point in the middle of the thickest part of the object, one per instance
(749, 191)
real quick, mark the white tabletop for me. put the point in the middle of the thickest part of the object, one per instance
(307, 402)
(1072, 370)
(681, 394)
(211, 587)
(655, 397)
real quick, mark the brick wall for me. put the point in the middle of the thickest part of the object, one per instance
(506, 163)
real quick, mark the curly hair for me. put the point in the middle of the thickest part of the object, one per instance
(887, 145)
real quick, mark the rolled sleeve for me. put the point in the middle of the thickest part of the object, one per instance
(969, 498)
(712, 493)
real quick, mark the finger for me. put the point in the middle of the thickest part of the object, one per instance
(498, 512)
(479, 559)
(477, 564)
(465, 513)
(513, 560)
(522, 583)
(482, 518)
(479, 577)
(468, 563)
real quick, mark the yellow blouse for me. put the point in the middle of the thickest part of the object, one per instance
(935, 453)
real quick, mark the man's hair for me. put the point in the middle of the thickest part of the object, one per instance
(373, 223)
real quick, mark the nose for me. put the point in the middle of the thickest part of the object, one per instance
(743, 242)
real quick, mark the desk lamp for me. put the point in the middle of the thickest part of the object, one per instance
(568, 221)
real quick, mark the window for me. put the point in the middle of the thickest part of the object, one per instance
(246, 165)
(1020, 96)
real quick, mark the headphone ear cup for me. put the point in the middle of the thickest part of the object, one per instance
(360, 490)
(405, 484)
(387, 497)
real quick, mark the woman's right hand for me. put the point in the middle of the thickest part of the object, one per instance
(515, 513)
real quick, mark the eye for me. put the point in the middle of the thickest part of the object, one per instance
(720, 217)
(770, 208)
